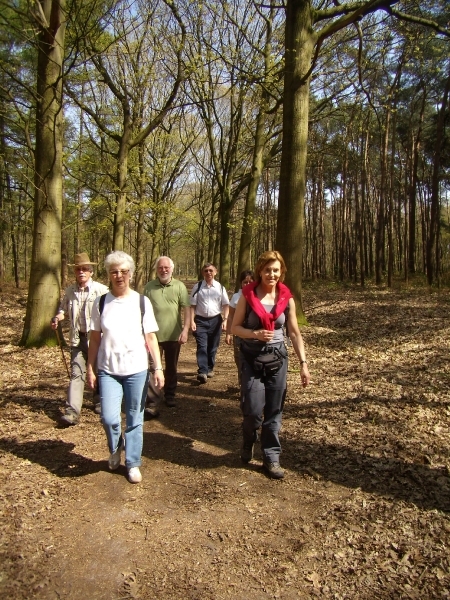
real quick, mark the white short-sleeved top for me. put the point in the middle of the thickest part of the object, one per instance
(235, 298)
(122, 348)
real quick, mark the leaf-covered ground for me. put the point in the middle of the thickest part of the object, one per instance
(363, 512)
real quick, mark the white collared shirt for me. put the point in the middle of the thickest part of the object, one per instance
(209, 299)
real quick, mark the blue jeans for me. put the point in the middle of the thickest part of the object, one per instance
(134, 390)
(207, 337)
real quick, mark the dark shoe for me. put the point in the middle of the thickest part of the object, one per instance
(202, 378)
(171, 402)
(273, 470)
(210, 374)
(69, 419)
(247, 452)
(151, 412)
(98, 408)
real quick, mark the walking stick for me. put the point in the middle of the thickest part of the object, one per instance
(62, 352)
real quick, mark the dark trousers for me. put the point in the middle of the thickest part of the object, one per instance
(207, 336)
(170, 352)
(262, 401)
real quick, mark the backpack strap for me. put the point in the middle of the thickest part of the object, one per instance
(101, 304)
(199, 285)
(142, 306)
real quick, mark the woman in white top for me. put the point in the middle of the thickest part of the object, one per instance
(245, 278)
(121, 337)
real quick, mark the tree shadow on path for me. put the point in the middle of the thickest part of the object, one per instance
(54, 455)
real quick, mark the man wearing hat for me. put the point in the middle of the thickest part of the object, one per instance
(77, 306)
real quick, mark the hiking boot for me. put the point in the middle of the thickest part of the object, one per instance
(171, 402)
(151, 412)
(273, 470)
(70, 418)
(114, 458)
(134, 475)
(247, 452)
(210, 374)
(202, 378)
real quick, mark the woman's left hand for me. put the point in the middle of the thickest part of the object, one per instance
(91, 378)
(304, 375)
(159, 378)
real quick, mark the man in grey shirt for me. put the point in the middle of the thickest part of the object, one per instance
(77, 306)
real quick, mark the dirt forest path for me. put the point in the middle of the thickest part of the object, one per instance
(363, 513)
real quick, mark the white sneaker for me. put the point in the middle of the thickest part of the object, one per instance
(134, 475)
(114, 458)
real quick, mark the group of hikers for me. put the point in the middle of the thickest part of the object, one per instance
(119, 337)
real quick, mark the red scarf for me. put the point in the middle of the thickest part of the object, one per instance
(267, 319)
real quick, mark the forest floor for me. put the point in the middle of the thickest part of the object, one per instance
(363, 512)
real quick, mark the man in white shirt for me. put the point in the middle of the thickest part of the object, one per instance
(209, 300)
(77, 306)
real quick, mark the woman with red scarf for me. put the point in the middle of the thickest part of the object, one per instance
(263, 309)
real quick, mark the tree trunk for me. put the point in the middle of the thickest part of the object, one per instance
(416, 139)
(380, 260)
(3, 194)
(45, 273)
(224, 249)
(140, 249)
(121, 182)
(432, 256)
(250, 201)
(256, 169)
(299, 48)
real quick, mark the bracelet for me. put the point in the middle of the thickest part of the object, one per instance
(158, 369)
(303, 362)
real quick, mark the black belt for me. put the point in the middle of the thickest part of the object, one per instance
(83, 333)
(255, 348)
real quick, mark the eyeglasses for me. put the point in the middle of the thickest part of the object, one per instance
(208, 270)
(118, 273)
(82, 269)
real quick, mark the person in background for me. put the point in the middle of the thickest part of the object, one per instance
(245, 278)
(261, 312)
(122, 334)
(169, 298)
(208, 299)
(77, 304)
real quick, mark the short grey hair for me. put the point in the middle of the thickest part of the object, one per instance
(167, 258)
(119, 257)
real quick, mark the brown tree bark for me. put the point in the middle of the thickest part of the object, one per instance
(45, 274)
(300, 42)
(432, 256)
